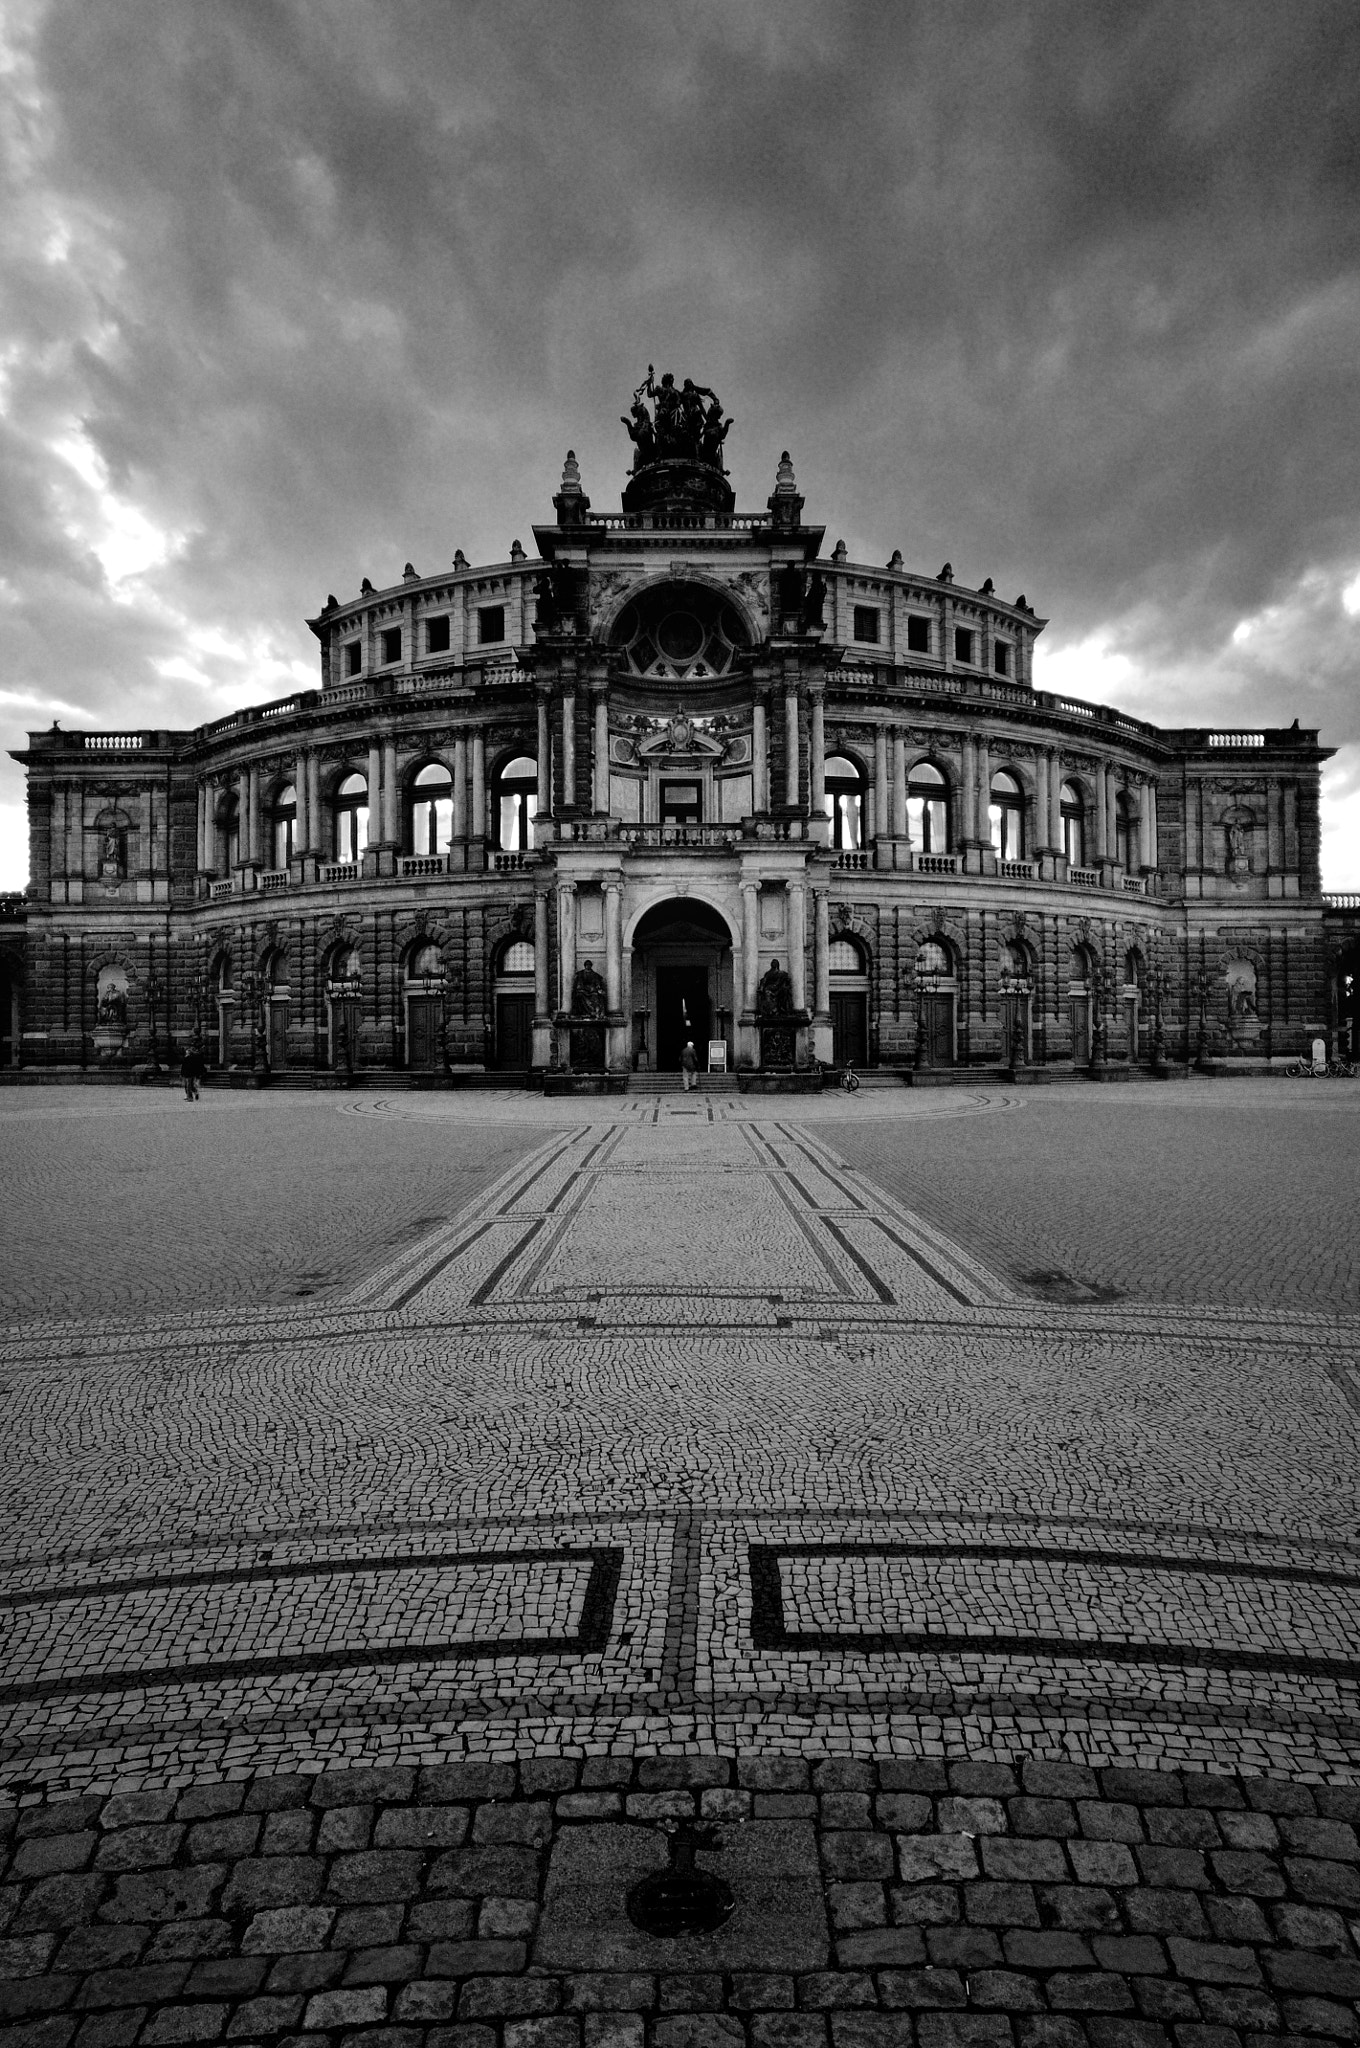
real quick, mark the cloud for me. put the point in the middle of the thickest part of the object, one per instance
(1070, 296)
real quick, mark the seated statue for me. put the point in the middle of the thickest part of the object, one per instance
(589, 997)
(774, 995)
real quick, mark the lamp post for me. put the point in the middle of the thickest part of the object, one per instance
(155, 996)
(1014, 988)
(1160, 987)
(1200, 988)
(345, 991)
(198, 996)
(254, 998)
(1099, 995)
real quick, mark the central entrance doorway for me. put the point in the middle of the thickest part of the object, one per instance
(682, 984)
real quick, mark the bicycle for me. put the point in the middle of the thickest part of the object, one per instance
(849, 1078)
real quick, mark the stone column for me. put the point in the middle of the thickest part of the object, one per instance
(791, 764)
(316, 823)
(1104, 851)
(882, 811)
(460, 803)
(202, 828)
(821, 953)
(302, 824)
(569, 748)
(566, 940)
(613, 946)
(391, 827)
(798, 943)
(1041, 803)
(899, 783)
(984, 791)
(1145, 824)
(760, 757)
(602, 752)
(477, 795)
(541, 992)
(1112, 815)
(543, 801)
(817, 754)
(968, 793)
(1152, 823)
(1055, 783)
(242, 816)
(256, 820)
(374, 792)
(750, 943)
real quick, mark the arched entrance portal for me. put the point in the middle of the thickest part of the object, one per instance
(682, 983)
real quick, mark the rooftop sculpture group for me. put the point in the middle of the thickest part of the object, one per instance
(681, 427)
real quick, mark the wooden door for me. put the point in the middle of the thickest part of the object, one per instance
(1081, 1030)
(278, 1036)
(1131, 1027)
(514, 1031)
(849, 1029)
(422, 1032)
(940, 1030)
(1014, 1029)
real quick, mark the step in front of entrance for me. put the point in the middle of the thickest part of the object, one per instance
(673, 1084)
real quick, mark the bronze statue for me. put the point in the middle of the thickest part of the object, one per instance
(774, 995)
(589, 997)
(680, 427)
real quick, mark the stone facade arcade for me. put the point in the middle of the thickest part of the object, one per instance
(683, 775)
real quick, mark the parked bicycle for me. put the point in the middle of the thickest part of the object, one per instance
(1320, 1070)
(849, 1078)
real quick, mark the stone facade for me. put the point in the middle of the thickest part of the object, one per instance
(680, 747)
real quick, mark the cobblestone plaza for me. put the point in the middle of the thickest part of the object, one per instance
(935, 1515)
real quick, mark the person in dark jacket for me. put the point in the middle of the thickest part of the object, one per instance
(689, 1064)
(191, 1070)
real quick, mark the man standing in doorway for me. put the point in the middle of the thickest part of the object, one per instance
(689, 1064)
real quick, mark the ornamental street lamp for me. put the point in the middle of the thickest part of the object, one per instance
(198, 997)
(1200, 986)
(155, 996)
(1100, 988)
(1159, 983)
(254, 1000)
(344, 992)
(1014, 988)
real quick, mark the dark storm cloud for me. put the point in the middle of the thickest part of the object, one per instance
(1070, 295)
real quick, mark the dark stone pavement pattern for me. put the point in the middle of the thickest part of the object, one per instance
(897, 1903)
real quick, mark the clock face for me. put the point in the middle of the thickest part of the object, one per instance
(680, 632)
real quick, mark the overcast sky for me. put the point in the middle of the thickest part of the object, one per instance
(295, 290)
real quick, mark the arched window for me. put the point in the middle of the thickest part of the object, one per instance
(1006, 817)
(1124, 840)
(1134, 968)
(933, 958)
(283, 824)
(845, 803)
(1073, 826)
(517, 960)
(1079, 966)
(351, 818)
(229, 829)
(928, 809)
(1015, 962)
(345, 965)
(516, 801)
(426, 963)
(432, 810)
(844, 957)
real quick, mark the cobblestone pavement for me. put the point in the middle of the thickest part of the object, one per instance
(685, 1499)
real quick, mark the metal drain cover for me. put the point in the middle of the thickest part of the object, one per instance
(675, 1902)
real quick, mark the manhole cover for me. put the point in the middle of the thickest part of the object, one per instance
(675, 1902)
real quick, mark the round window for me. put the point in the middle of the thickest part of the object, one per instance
(680, 636)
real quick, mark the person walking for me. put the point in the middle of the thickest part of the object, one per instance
(689, 1064)
(191, 1069)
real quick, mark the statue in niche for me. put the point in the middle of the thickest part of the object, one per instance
(814, 602)
(774, 994)
(589, 997)
(112, 859)
(111, 1014)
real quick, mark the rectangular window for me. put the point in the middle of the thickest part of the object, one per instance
(963, 645)
(918, 634)
(680, 803)
(437, 635)
(866, 623)
(490, 624)
(354, 655)
(1001, 658)
(391, 644)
